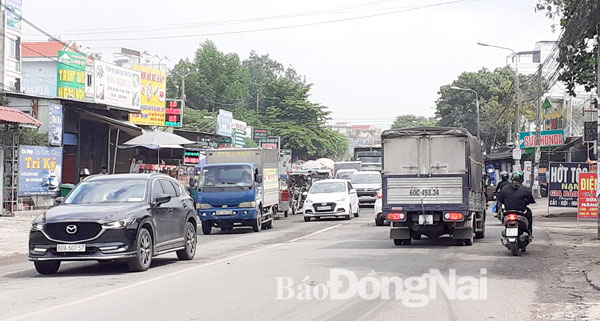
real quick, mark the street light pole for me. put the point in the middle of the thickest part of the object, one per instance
(476, 104)
(517, 88)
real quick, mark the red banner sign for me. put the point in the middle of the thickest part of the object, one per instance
(588, 201)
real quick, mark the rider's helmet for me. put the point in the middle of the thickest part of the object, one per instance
(504, 175)
(517, 176)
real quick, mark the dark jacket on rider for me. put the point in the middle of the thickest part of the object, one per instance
(501, 185)
(515, 197)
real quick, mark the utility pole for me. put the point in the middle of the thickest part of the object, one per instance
(517, 106)
(538, 139)
(598, 99)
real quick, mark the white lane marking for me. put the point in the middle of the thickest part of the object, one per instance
(109, 292)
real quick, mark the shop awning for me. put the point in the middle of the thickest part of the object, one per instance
(14, 116)
(124, 126)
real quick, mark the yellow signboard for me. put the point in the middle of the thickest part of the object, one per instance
(153, 90)
(270, 179)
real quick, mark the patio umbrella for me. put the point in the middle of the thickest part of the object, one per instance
(158, 140)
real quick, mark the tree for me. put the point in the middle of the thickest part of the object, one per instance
(457, 108)
(409, 120)
(214, 80)
(259, 91)
(577, 57)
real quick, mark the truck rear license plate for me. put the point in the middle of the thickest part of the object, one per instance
(323, 208)
(512, 231)
(426, 219)
(224, 212)
(70, 248)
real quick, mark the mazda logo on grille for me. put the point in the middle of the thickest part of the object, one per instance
(71, 229)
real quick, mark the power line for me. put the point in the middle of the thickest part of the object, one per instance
(282, 27)
(152, 28)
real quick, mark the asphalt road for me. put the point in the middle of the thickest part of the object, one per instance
(234, 277)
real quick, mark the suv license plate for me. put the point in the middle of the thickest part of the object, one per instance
(426, 219)
(512, 231)
(70, 248)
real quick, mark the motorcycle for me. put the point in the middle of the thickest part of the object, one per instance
(516, 233)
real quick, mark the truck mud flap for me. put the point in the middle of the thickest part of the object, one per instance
(399, 233)
(462, 233)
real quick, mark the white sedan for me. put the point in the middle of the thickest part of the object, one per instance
(331, 198)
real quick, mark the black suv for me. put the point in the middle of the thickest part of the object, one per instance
(131, 217)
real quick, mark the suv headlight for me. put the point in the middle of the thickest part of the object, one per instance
(308, 201)
(341, 199)
(118, 224)
(248, 204)
(203, 206)
(35, 226)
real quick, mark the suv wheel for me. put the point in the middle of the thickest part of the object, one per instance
(49, 267)
(190, 243)
(143, 253)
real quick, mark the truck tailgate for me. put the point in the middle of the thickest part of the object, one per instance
(424, 190)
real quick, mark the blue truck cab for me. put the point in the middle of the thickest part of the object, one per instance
(238, 187)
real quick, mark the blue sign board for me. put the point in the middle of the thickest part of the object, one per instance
(40, 170)
(55, 125)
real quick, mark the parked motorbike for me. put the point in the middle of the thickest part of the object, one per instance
(516, 233)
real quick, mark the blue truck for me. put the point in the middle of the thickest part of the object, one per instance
(432, 184)
(238, 187)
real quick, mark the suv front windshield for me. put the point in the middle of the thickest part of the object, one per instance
(366, 179)
(337, 187)
(108, 191)
(225, 176)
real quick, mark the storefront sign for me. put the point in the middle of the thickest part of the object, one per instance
(71, 75)
(55, 121)
(259, 134)
(153, 94)
(117, 86)
(14, 20)
(588, 201)
(238, 133)
(548, 138)
(527, 173)
(40, 170)
(224, 120)
(191, 157)
(563, 183)
(270, 142)
(590, 131)
(174, 113)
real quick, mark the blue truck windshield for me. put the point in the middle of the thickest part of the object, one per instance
(226, 176)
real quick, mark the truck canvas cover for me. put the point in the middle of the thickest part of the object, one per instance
(426, 165)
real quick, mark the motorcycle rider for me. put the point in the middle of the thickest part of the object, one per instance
(504, 181)
(516, 197)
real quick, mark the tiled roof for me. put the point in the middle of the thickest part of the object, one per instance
(15, 116)
(41, 49)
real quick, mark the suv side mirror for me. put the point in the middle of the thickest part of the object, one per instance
(259, 178)
(161, 199)
(352, 191)
(58, 201)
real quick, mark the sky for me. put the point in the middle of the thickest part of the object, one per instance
(368, 60)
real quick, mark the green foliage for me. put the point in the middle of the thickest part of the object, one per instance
(259, 91)
(577, 56)
(214, 80)
(457, 108)
(199, 120)
(409, 120)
